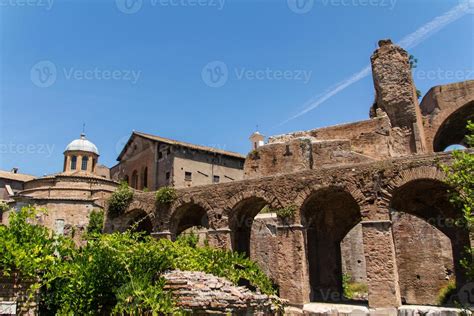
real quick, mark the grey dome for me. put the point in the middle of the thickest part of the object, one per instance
(82, 144)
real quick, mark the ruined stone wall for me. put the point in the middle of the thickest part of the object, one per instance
(353, 258)
(424, 258)
(445, 110)
(263, 244)
(14, 296)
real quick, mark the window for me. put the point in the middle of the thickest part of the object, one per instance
(188, 176)
(216, 179)
(73, 162)
(126, 179)
(168, 175)
(135, 179)
(160, 155)
(85, 160)
(59, 223)
(145, 178)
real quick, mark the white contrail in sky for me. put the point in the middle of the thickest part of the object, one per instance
(408, 42)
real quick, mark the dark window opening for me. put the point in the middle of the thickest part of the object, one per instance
(216, 179)
(85, 160)
(73, 162)
(188, 176)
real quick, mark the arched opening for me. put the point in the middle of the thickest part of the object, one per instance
(145, 178)
(126, 179)
(140, 222)
(429, 244)
(189, 219)
(242, 218)
(453, 130)
(328, 215)
(135, 179)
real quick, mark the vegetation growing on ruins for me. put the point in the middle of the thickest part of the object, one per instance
(96, 222)
(166, 195)
(120, 199)
(460, 177)
(118, 273)
(286, 212)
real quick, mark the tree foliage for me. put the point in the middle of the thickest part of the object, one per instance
(166, 195)
(120, 199)
(460, 177)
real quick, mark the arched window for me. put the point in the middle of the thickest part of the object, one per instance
(126, 179)
(135, 179)
(85, 160)
(73, 162)
(94, 161)
(145, 178)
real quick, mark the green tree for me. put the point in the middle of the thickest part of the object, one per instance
(460, 177)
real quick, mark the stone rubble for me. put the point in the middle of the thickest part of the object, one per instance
(203, 293)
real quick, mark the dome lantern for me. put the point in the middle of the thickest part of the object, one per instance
(80, 155)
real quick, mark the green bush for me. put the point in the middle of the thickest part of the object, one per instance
(119, 273)
(120, 199)
(446, 293)
(166, 195)
(96, 222)
(286, 212)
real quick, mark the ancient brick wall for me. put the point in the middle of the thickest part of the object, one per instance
(14, 296)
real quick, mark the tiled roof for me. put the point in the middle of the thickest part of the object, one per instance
(179, 143)
(16, 176)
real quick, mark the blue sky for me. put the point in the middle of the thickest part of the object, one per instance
(117, 70)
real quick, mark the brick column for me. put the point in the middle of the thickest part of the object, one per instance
(382, 273)
(293, 275)
(220, 238)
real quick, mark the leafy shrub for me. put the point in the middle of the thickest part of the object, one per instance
(96, 222)
(119, 273)
(166, 195)
(120, 199)
(286, 212)
(446, 293)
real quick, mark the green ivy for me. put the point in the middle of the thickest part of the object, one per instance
(120, 199)
(166, 195)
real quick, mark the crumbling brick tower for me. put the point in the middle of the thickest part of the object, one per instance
(396, 97)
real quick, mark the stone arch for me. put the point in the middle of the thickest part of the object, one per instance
(429, 244)
(187, 214)
(241, 210)
(328, 214)
(138, 220)
(452, 130)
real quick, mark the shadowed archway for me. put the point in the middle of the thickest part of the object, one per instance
(328, 214)
(453, 129)
(243, 215)
(429, 244)
(187, 216)
(140, 222)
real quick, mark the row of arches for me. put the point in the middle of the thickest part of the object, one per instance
(428, 243)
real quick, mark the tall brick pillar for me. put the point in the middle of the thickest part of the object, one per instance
(382, 274)
(396, 96)
(293, 275)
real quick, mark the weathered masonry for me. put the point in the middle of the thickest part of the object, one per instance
(366, 197)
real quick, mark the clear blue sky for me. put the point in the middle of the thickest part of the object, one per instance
(167, 44)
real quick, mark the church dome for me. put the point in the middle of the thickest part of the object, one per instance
(82, 144)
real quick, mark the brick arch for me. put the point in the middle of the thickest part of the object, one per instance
(244, 195)
(188, 211)
(408, 175)
(350, 187)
